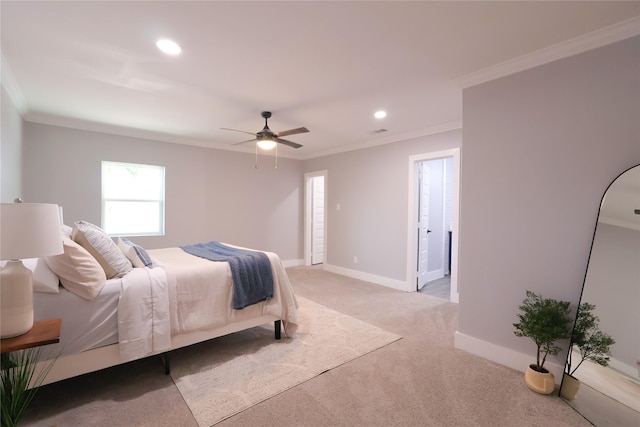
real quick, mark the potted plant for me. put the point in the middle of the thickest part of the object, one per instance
(545, 321)
(592, 343)
(19, 383)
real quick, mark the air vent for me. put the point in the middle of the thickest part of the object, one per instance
(378, 131)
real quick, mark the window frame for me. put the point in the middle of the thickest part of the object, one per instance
(160, 202)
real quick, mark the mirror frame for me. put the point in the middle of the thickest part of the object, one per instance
(589, 260)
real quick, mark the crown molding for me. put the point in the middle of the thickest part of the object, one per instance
(54, 120)
(432, 130)
(611, 34)
(9, 83)
(67, 122)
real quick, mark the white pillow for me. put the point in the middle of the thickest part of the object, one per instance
(66, 230)
(102, 247)
(79, 272)
(135, 253)
(44, 280)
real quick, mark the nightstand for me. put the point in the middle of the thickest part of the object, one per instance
(43, 332)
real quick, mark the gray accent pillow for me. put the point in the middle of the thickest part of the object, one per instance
(102, 248)
(135, 253)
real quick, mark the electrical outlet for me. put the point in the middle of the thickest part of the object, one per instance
(355, 259)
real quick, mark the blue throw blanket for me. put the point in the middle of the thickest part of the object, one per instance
(250, 270)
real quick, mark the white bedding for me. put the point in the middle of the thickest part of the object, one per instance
(86, 324)
(201, 293)
(148, 308)
(143, 313)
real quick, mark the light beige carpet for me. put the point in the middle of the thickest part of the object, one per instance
(420, 380)
(225, 376)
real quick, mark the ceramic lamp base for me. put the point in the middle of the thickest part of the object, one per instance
(16, 299)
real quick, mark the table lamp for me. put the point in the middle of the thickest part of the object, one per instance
(27, 230)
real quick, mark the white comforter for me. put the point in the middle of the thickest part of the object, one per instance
(186, 294)
(143, 313)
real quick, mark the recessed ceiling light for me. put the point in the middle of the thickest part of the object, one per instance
(169, 47)
(380, 114)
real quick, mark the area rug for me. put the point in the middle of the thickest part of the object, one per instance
(222, 377)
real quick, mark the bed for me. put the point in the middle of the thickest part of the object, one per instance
(177, 300)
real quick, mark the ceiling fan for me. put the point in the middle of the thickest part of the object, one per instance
(267, 139)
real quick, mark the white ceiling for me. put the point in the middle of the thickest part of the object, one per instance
(324, 65)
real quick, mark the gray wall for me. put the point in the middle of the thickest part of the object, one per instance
(210, 194)
(371, 186)
(540, 148)
(218, 195)
(10, 150)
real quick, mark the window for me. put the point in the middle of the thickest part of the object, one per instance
(132, 199)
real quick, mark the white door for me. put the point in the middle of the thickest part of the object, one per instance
(452, 215)
(317, 220)
(423, 224)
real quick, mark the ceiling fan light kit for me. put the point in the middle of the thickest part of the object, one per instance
(266, 144)
(266, 138)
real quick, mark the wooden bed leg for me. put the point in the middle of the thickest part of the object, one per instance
(165, 360)
(278, 327)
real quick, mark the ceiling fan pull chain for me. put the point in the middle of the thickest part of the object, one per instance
(256, 165)
(276, 157)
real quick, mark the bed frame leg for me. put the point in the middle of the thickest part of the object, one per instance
(278, 328)
(167, 363)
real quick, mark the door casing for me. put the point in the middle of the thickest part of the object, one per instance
(412, 235)
(308, 213)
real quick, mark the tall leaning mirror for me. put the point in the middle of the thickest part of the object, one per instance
(608, 392)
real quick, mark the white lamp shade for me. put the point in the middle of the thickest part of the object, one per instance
(29, 230)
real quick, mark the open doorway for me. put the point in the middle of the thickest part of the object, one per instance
(315, 218)
(432, 262)
(434, 220)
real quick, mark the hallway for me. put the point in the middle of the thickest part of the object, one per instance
(440, 288)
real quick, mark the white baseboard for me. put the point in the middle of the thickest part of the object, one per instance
(292, 263)
(378, 280)
(503, 356)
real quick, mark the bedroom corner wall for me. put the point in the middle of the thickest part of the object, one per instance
(10, 150)
(540, 148)
(370, 185)
(210, 194)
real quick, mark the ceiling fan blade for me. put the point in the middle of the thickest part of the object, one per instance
(292, 131)
(244, 142)
(236, 130)
(287, 143)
